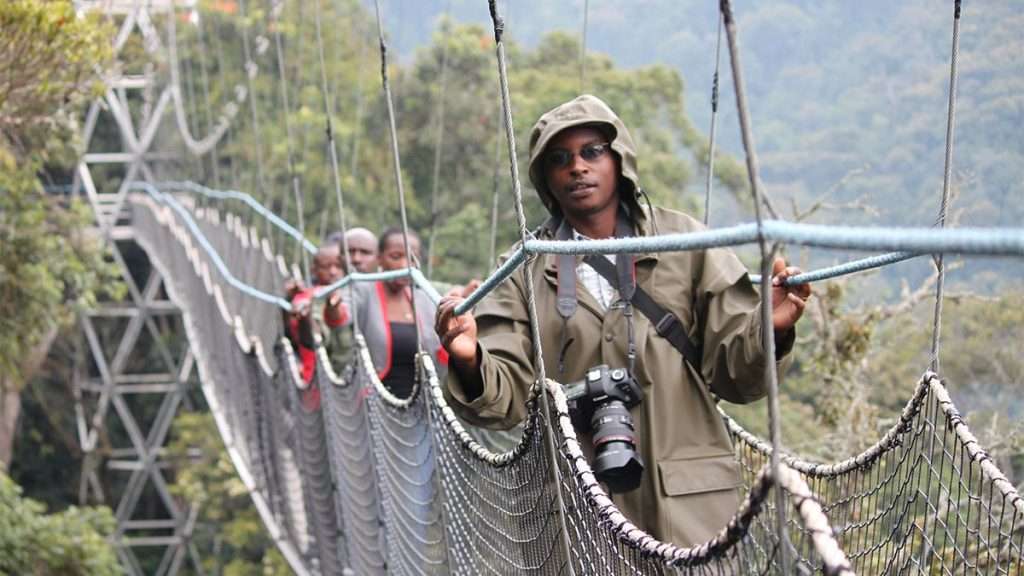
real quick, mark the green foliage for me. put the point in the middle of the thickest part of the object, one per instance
(71, 543)
(230, 532)
(473, 158)
(49, 60)
(49, 265)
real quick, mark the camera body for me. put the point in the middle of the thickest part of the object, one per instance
(600, 404)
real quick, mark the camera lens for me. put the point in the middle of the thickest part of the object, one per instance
(616, 462)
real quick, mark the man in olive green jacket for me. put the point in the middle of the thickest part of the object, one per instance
(583, 166)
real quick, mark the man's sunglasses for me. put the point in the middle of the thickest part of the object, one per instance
(560, 158)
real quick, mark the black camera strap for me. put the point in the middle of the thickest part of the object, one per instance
(621, 276)
(666, 324)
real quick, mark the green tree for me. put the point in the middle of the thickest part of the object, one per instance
(229, 531)
(71, 543)
(649, 99)
(51, 264)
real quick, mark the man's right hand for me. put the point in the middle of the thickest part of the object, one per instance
(457, 333)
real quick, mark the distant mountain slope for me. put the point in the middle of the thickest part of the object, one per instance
(848, 99)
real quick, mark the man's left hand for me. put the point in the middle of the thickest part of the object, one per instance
(788, 302)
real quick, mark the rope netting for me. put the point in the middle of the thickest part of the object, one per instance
(365, 483)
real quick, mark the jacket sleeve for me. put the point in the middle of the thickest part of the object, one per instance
(506, 361)
(729, 317)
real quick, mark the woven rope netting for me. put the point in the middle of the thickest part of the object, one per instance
(366, 484)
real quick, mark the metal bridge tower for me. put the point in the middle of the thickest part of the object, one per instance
(136, 369)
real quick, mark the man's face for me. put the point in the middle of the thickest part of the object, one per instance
(393, 256)
(327, 266)
(582, 171)
(362, 250)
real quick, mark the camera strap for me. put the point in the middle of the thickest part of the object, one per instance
(622, 277)
(666, 324)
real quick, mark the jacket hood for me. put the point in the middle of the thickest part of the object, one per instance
(585, 110)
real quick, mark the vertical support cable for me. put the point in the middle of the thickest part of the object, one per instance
(438, 147)
(250, 73)
(204, 79)
(714, 123)
(947, 178)
(190, 93)
(492, 258)
(531, 304)
(495, 200)
(357, 122)
(767, 333)
(333, 153)
(397, 161)
(583, 47)
(276, 7)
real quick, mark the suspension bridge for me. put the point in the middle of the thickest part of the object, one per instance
(367, 483)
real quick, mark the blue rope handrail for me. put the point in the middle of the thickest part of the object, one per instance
(168, 200)
(909, 242)
(188, 186)
(905, 243)
(204, 243)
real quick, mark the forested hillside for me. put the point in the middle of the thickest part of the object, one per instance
(849, 100)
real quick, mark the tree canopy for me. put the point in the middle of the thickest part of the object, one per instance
(69, 543)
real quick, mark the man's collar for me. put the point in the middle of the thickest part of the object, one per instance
(549, 231)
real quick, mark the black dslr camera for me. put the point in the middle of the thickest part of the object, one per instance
(600, 403)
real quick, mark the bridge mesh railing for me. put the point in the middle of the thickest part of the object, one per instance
(367, 485)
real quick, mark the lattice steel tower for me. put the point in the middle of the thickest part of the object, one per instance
(135, 369)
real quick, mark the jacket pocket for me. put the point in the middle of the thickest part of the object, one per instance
(706, 470)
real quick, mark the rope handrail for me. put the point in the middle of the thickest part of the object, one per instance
(861, 265)
(712, 238)
(218, 262)
(909, 242)
(917, 242)
(978, 241)
(244, 197)
(320, 293)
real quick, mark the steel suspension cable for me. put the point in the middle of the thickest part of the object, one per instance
(397, 161)
(185, 121)
(204, 79)
(531, 304)
(251, 69)
(302, 136)
(714, 123)
(190, 97)
(333, 152)
(276, 8)
(493, 257)
(947, 177)
(358, 120)
(583, 47)
(218, 56)
(767, 333)
(438, 150)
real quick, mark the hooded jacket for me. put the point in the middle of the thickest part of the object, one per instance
(690, 485)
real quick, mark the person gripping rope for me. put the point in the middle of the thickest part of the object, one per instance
(310, 318)
(388, 319)
(700, 339)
